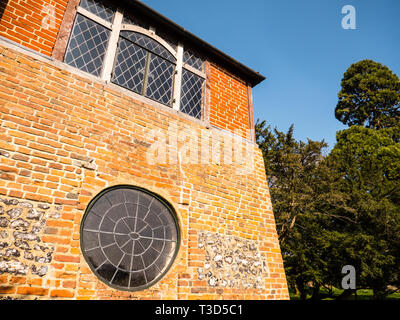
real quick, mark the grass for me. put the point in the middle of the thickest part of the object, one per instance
(362, 294)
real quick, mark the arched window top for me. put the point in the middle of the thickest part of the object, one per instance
(108, 42)
(149, 44)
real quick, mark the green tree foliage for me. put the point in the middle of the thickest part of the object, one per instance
(343, 208)
(370, 96)
(294, 172)
(336, 210)
(368, 162)
(289, 166)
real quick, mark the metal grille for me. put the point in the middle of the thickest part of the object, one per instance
(129, 238)
(99, 8)
(193, 60)
(159, 83)
(130, 66)
(149, 44)
(192, 93)
(87, 45)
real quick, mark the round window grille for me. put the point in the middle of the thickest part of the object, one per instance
(129, 237)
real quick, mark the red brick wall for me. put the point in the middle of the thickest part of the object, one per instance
(25, 23)
(53, 123)
(32, 23)
(229, 106)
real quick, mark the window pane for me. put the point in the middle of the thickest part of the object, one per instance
(149, 44)
(130, 66)
(193, 60)
(130, 254)
(87, 45)
(191, 95)
(160, 80)
(98, 8)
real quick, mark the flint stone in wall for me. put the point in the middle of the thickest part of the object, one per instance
(1, 210)
(14, 213)
(46, 259)
(28, 255)
(27, 220)
(41, 271)
(19, 224)
(43, 206)
(22, 245)
(4, 222)
(40, 248)
(3, 245)
(26, 236)
(38, 227)
(34, 214)
(8, 298)
(26, 205)
(14, 267)
(230, 262)
(213, 282)
(12, 253)
(11, 202)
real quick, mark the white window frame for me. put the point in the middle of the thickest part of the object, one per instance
(116, 26)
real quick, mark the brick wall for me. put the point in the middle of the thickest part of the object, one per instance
(65, 136)
(34, 23)
(229, 105)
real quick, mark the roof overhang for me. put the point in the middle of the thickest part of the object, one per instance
(221, 58)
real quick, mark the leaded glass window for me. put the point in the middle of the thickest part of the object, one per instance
(99, 8)
(192, 59)
(87, 45)
(148, 44)
(130, 66)
(192, 87)
(143, 65)
(129, 237)
(108, 42)
(192, 93)
(159, 83)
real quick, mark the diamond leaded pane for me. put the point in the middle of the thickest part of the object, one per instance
(130, 66)
(99, 8)
(193, 60)
(129, 238)
(149, 44)
(160, 80)
(87, 45)
(191, 95)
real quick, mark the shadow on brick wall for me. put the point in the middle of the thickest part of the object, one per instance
(3, 4)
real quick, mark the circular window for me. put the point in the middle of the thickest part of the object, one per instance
(129, 237)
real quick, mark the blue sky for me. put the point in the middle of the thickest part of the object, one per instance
(300, 46)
